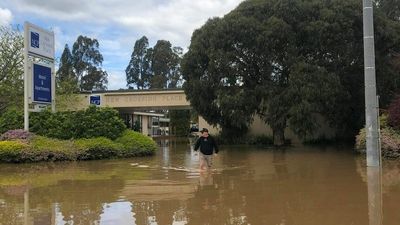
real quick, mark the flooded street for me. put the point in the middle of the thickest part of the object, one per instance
(248, 185)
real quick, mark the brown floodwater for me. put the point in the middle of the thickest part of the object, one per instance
(248, 185)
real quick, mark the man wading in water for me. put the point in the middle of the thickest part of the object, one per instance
(207, 145)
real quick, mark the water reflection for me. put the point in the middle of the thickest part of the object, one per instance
(206, 179)
(374, 195)
(383, 191)
(280, 165)
(248, 186)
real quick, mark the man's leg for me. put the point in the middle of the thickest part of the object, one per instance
(202, 162)
(208, 159)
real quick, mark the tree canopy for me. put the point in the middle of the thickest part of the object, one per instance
(157, 67)
(67, 82)
(138, 69)
(288, 61)
(11, 67)
(80, 70)
(87, 61)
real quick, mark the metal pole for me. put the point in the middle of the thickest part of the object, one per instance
(53, 79)
(26, 77)
(371, 114)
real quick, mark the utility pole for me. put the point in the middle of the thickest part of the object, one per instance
(371, 106)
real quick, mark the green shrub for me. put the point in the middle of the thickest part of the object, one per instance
(89, 123)
(361, 141)
(55, 125)
(99, 122)
(390, 142)
(10, 151)
(11, 119)
(49, 149)
(383, 120)
(98, 148)
(136, 144)
(360, 144)
(37, 149)
(40, 148)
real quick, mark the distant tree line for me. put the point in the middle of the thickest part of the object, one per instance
(157, 67)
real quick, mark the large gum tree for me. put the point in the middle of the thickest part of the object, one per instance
(289, 61)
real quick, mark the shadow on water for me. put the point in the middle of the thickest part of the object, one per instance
(298, 185)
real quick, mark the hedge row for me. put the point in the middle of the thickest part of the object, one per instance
(89, 123)
(39, 148)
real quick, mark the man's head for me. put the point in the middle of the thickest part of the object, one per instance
(204, 132)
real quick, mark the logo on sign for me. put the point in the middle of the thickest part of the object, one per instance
(95, 100)
(34, 39)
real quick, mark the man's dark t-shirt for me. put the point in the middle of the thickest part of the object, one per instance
(206, 145)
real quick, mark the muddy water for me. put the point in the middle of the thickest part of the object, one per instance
(297, 185)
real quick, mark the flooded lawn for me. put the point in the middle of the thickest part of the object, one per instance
(296, 186)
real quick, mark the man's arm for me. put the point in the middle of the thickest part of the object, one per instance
(197, 144)
(215, 146)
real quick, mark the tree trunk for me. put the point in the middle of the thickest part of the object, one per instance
(279, 137)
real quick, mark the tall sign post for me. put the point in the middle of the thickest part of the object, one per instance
(39, 76)
(371, 105)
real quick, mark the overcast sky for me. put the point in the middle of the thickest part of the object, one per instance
(116, 24)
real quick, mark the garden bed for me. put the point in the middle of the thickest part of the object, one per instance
(35, 148)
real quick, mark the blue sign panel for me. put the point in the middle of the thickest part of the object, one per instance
(34, 40)
(95, 99)
(41, 83)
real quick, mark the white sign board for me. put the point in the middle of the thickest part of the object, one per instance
(39, 82)
(40, 41)
(37, 107)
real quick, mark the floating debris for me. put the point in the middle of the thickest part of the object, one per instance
(143, 166)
